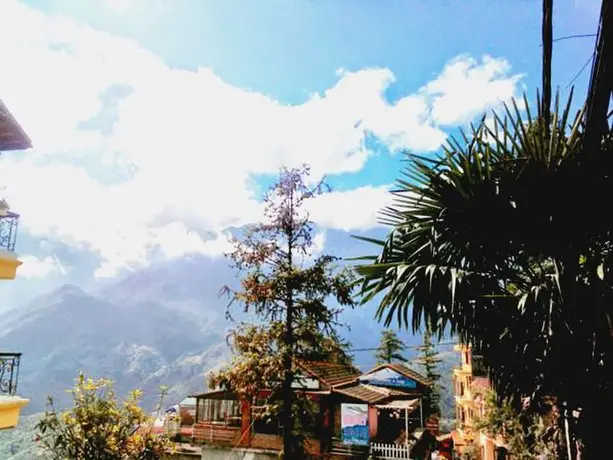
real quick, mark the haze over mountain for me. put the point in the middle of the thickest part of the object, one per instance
(160, 325)
(164, 324)
(156, 326)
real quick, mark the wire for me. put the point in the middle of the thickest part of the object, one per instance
(567, 37)
(354, 350)
(580, 71)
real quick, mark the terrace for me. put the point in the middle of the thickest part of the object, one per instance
(10, 404)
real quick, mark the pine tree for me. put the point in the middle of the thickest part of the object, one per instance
(390, 348)
(428, 361)
(287, 286)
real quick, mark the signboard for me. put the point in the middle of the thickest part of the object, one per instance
(388, 378)
(354, 424)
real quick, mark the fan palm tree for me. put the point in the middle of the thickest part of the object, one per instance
(505, 240)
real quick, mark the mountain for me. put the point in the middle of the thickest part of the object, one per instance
(155, 327)
(160, 325)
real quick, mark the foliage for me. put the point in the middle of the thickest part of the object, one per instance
(527, 436)
(99, 426)
(503, 241)
(390, 348)
(429, 360)
(256, 363)
(287, 286)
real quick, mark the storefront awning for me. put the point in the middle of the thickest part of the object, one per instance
(409, 404)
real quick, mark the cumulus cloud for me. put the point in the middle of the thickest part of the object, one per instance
(467, 88)
(34, 267)
(171, 164)
(350, 210)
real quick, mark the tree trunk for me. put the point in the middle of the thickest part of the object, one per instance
(288, 396)
(601, 81)
(547, 32)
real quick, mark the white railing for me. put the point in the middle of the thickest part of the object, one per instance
(382, 451)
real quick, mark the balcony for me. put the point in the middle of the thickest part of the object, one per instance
(9, 222)
(10, 404)
(463, 370)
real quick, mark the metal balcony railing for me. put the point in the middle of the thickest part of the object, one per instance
(9, 373)
(9, 221)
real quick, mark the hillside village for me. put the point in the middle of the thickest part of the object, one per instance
(296, 315)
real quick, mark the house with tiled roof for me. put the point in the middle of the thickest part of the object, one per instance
(389, 398)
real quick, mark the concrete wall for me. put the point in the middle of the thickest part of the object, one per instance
(209, 453)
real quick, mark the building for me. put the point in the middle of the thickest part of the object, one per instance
(470, 380)
(355, 411)
(12, 137)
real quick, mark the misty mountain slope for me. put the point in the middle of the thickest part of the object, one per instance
(139, 344)
(163, 324)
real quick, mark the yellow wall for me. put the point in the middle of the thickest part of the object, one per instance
(10, 407)
(468, 407)
(8, 267)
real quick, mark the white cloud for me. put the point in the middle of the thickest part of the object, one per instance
(351, 210)
(177, 162)
(466, 88)
(34, 267)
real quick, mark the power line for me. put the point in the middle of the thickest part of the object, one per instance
(580, 71)
(354, 350)
(568, 37)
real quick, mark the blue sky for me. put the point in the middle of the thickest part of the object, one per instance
(156, 122)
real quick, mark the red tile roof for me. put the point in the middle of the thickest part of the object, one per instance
(330, 374)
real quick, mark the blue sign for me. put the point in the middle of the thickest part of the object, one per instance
(388, 378)
(354, 424)
(355, 435)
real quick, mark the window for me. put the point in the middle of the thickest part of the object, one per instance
(222, 411)
(479, 369)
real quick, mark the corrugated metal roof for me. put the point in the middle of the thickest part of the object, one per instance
(407, 404)
(215, 394)
(370, 393)
(189, 401)
(403, 370)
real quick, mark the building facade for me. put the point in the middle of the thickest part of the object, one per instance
(12, 137)
(470, 380)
